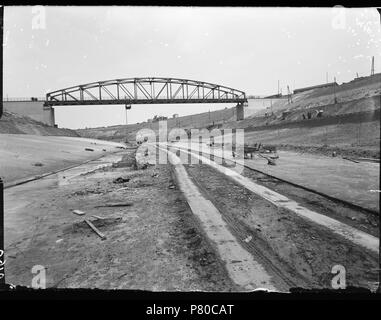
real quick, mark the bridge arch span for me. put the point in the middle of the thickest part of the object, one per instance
(149, 90)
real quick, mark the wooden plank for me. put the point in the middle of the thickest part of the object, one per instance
(79, 212)
(97, 217)
(100, 234)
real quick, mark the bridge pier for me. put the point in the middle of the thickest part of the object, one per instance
(49, 116)
(240, 111)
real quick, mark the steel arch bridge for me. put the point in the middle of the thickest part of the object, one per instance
(144, 91)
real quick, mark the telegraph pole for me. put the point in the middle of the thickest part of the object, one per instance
(278, 87)
(372, 67)
(289, 98)
(334, 90)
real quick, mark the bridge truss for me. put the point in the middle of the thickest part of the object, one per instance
(145, 91)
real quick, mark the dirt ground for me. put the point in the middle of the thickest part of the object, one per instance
(152, 240)
(301, 253)
(25, 156)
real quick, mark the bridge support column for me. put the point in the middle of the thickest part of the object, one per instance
(240, 112)
(49, 117)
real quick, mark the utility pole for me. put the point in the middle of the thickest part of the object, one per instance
(278, 87)
(289, 98)
(326, 77)
(372, 67)
(334, 90)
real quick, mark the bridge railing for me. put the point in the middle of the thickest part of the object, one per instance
(23, 99)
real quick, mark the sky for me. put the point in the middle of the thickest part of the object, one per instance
(250, 49)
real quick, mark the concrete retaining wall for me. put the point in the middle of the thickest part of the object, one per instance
(32, 109)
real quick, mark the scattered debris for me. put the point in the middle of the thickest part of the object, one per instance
(248, 239)
(89, 149)
(271, 162)
(369, 159)
(235, 261)
(59, 240)
(104, 150)
(38, 164)
(334, 154)
(86, 192)
(100, 234)
(121, 204)
(97, 217)
(350, 159)
(124, 188)
(79, 212)
(121, 180)
(171, 186)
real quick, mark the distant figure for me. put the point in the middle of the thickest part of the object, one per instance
(319, 113)
(309, 115)
(304, 116)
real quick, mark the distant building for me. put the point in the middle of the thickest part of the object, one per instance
(158, 118)
(149, 120)
(175, 115)
(325, 85)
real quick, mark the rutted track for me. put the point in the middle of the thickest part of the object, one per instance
(329, 197)
(356, 216)
(296, 250)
